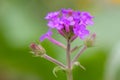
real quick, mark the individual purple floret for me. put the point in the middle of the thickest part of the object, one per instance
(47, 35)
(81, 31)
(86, 18)
(69, 23)
(52, 15)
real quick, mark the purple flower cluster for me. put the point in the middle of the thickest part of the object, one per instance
(69, 23)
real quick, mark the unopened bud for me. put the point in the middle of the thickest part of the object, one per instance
(89, 42)
(38, 50)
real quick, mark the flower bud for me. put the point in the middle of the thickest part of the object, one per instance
(89, 42)
(38, 50)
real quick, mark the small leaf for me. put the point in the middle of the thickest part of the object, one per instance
(31, 52)
(78, 64)
(56, 69)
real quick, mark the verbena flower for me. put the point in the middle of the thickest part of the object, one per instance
(69, 23)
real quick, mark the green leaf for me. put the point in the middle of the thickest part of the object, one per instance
(56, 69)
(78, 64)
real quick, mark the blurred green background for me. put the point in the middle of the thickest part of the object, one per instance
(22, 22)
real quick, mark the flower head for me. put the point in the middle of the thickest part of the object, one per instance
(69, 23)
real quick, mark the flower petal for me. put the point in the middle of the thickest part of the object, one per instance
(44, 36)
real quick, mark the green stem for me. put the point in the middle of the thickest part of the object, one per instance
(69, 68)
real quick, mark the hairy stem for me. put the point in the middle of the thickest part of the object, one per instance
(69, 68)
(75, 48)
(53, 60)
(57, 42)
(77, 56)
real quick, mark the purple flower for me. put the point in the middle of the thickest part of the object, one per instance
(47, 35)
(77, 16)
(86, 18)
(66, 11)
(81, 31)
(52, 15)
(69, 23)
